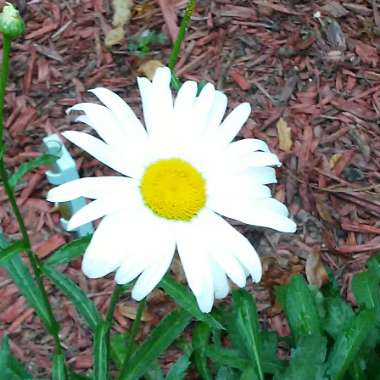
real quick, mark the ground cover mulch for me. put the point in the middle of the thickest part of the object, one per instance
(314, 86)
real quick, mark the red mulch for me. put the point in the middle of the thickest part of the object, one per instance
(320, 77)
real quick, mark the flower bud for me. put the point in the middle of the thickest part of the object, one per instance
(11, 23)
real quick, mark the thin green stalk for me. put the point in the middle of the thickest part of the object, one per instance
(178, 42)
(3, 83)
(116, 293)
(34, 260)
(134, 329)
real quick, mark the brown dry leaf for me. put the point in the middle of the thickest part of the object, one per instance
(284, 135)
(323, 211)
(149, 68)
(121, 16)
(334, 159)
(130, 311)
(315, 271)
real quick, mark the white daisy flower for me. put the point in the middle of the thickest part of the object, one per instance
(179, 176)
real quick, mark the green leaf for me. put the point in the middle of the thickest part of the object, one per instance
(45, 159)
(119, 350)
(58, 369)
(10, 367)
(366, 290)
(249, 374)
(307, 358)
(21, 276)
(348, 344)
(77, 296)
(178, 369)
(338, 315)
(201, 334)
(227, 357)
(69, 251)
(158, 341)
(100, 352)
(184, 298)
(269, 359)
(14, 248)
(247, 326)
(300, 309)
(374, 266)
(225, 373)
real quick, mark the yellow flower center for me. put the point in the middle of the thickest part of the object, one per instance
(173, 189)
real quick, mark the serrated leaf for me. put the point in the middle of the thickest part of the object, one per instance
(366, 290)
(374, 266)
(14, 248)
(338, 315)
(84, 306)
(178, 369)
(300, 309)
(184, 298)
(21, 276)
(58, 368)
(201, 334)
(158, 341)
(69, 251)
(348, 344)
(269, 359)
(247, 326)
(45, 159)
(100, 351)
(307, 358)
(249, 374)
(227, 357)
(225, 373)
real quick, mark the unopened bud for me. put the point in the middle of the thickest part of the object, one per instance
(11, 23)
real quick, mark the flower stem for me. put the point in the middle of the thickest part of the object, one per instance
(178, 42)
(34, 260)
(132, 335)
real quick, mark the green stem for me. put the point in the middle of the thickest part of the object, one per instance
(3, 84)
(134, 329)
(116, 293)
(178, 42)
(34, 260)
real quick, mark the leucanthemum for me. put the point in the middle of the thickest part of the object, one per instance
(180, 176)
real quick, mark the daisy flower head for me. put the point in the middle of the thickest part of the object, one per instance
(180, 175)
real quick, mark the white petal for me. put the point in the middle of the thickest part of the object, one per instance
(128, 121)
(145, 87)
(208, 243)
(106, 249)
(251, 212)
(233, 123)
(90, 187)
(217, 111)
(94, 210)
(245, 146)
(235, 187)
(101, 119)
(263, 175)
(233, 243)
(205, 299)
(191, 258)
(131, 268)
(150, 242)
(102, 152)
(257, 159)
(185, 100)
(154, 273)
(202, 107)
(221, 286)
